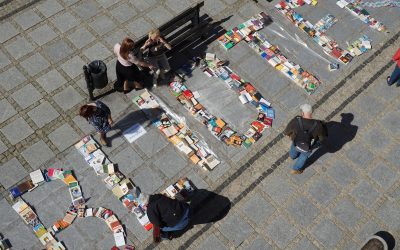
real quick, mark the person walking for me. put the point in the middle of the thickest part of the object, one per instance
(395, 77)
(155, 48)
(306, 134)
(167, 215)
(99, 116)
(128, 73)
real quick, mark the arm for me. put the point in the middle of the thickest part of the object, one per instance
(166, 44)
(146, 44)
(396, 56)
(156, 234)
(290, 129)
(140, 62)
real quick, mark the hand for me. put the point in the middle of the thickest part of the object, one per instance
(110, 121)
(157, 239)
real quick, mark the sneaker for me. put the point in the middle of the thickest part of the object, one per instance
(293, 171)
(103, 142)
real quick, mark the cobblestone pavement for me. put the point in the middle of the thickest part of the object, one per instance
(335, 204)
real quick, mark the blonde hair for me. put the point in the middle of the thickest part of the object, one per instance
(154, 33)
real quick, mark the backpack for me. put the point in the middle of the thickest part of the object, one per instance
(303, 138)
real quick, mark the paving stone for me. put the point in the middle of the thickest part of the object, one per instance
(73, 239)
(127, 160)
(75, 161)
(389, 213)
(159, 15)
(327, 233)
(26, 96)
(8, 214)
(35, 64)
(84, 125)
(58, 51)
(303, 211)
(123, 13)
(370, 228)
(17, 130)
(391, 121)
(148, 180)
(258, 209)
(4, 61)
(377, 139)
(169, 162)
(384, 175)
(107, 3)
(211, 243)
(248, 66)
(219, 171)
(6, 110)
(214, 7)
(139, 27)
(322, 192)
(21, 236)
(7, 31)
(49, 8)
(197, 180)
(257, 244)
(365, 193)
(247, 10)
(92, 228)
(81, 37)
(37, 154)
(281, 231)
(73, 67)
(51, 80)
(394, 156)
(12, 172)
(97, 52)
(27, 19)
(152, 142)
(370, 105)
(178, 6)
(134, 226)
(278, 188)
(11, 78)
(341, 172)
(271, 84)
(19, 47)
(69, 2)
(292, 97)
(3, 147)
(347, 213)
(63, 137)
(68, 98)
(107, 242)
(102, 24)
(42, 34)
(65, 21)
(303, 244)
(143, 4)
(360, 155)
(235, 229)
(86, 9)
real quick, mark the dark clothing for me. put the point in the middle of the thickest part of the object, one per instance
(99, 119)
(395, 77)
(127, 73)
(318, 134)
(165, 212)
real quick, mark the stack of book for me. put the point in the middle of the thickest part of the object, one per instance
(30, 218)
(328, 45)
(357, 10)
(36, 179)
(120, 186)
(298, 3)
(180, 190)
(177, 132)
(360, 46)
(325, 23)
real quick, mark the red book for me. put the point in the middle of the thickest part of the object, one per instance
(188, 94)
(250, 88)
(258, 126)
(148, 226)
(235, 77)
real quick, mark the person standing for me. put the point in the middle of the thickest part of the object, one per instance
(156, 47)
(166, 215)
(395, 77)
(127, 70)
(99, 116)
(306, 134)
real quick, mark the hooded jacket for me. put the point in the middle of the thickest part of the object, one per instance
(165, 212)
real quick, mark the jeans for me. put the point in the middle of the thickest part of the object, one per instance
(300, 156)
(181, 224)
(395, 77)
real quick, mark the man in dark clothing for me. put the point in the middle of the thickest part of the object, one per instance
(306, 134)
(166, 215)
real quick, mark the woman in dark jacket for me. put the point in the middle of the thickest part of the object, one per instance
(99, 116)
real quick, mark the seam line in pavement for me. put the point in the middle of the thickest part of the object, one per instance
(280, 136)
(18, 9)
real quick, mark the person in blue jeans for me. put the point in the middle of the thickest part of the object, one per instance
(395, 77)
(306, 134)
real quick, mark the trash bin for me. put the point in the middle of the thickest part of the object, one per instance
(98, 73)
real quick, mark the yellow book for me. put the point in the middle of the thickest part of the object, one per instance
(70, 178)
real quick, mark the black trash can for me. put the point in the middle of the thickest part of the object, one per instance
(98, 73)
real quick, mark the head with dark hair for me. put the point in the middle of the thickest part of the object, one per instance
(127, 46)
(87, 111)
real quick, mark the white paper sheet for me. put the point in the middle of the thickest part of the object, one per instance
(134, 132)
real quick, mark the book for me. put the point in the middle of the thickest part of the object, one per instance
(89, 212)
(36, 176)
(119, 239)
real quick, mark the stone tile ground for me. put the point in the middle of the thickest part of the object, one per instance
(336, 203)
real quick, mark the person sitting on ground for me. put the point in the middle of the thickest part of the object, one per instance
(166, 215)
(395, 77)
(306, 134)
(99, 116)
(155, 46)
(127, 70)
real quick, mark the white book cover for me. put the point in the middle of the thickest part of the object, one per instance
(134, 132)
(36, 176)
(119, 239)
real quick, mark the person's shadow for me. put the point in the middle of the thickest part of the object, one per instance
(339, 133)
(205, 207)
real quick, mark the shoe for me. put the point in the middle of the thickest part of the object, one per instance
(293, 171)
(103, 142)
(387, 80)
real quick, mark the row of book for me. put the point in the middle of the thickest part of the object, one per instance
(125, 191)
(360, 46)
(354, 6)
(328, 45)
(45, 236)
(177, 132)
(298, 3)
